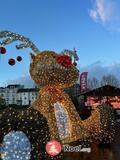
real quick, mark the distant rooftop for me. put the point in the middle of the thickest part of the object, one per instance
(15, 86)
(106, 90)
(28, 90)
(1, 87)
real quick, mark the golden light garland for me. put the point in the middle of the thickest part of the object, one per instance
(48, 96)
(55, 106)
(32, 124)
(53, 73)
(52, 79)
(45, 70)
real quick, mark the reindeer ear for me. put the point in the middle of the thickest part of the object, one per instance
(32, 56)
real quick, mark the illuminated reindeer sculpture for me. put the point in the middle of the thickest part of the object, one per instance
(53, 73)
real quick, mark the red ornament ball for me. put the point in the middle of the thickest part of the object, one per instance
(2, 50)
(11, 61)
(19, 58)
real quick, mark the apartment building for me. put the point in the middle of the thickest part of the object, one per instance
(26, 96)
(17, 94)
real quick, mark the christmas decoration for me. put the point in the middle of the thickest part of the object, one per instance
(50, 72)
(11, 61)
(35, 126)
(72, 54)
(108, 124)
(19, 58)
(2, 50)
(32, 124)
(52, 79)
(16, 146)
(53, 115)
(11, 37)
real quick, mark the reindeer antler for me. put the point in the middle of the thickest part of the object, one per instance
(11, 37)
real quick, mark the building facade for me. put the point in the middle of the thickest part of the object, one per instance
(26, 96)
(11, 94)
(18, 95)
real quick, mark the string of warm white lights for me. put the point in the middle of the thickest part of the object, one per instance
(53, 78)
(14, 37)
(53, 115)
(31, 123)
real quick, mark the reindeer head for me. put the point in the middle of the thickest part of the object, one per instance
(47, 67)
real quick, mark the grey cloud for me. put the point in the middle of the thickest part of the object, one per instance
(98, 69)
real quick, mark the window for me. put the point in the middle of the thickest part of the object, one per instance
(2, 95)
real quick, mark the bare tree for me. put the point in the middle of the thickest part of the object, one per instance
(110, 80)
(93, 83)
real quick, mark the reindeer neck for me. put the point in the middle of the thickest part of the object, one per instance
(51, 88)
(48, 95)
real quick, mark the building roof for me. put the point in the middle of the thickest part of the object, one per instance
(2, 88)
(28, 90)
(14, 85)
(106, 90)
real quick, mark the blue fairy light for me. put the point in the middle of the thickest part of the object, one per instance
(15, 146)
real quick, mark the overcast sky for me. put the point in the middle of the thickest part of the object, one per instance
(91, 26)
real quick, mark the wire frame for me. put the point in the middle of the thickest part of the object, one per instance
(10, 37)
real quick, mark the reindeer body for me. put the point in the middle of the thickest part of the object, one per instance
(52, 76)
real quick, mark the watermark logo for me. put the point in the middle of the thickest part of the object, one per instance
(53, 148)
(68, 148)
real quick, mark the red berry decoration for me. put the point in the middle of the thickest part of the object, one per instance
(19, 58)
(2, 50)
(11, 61)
